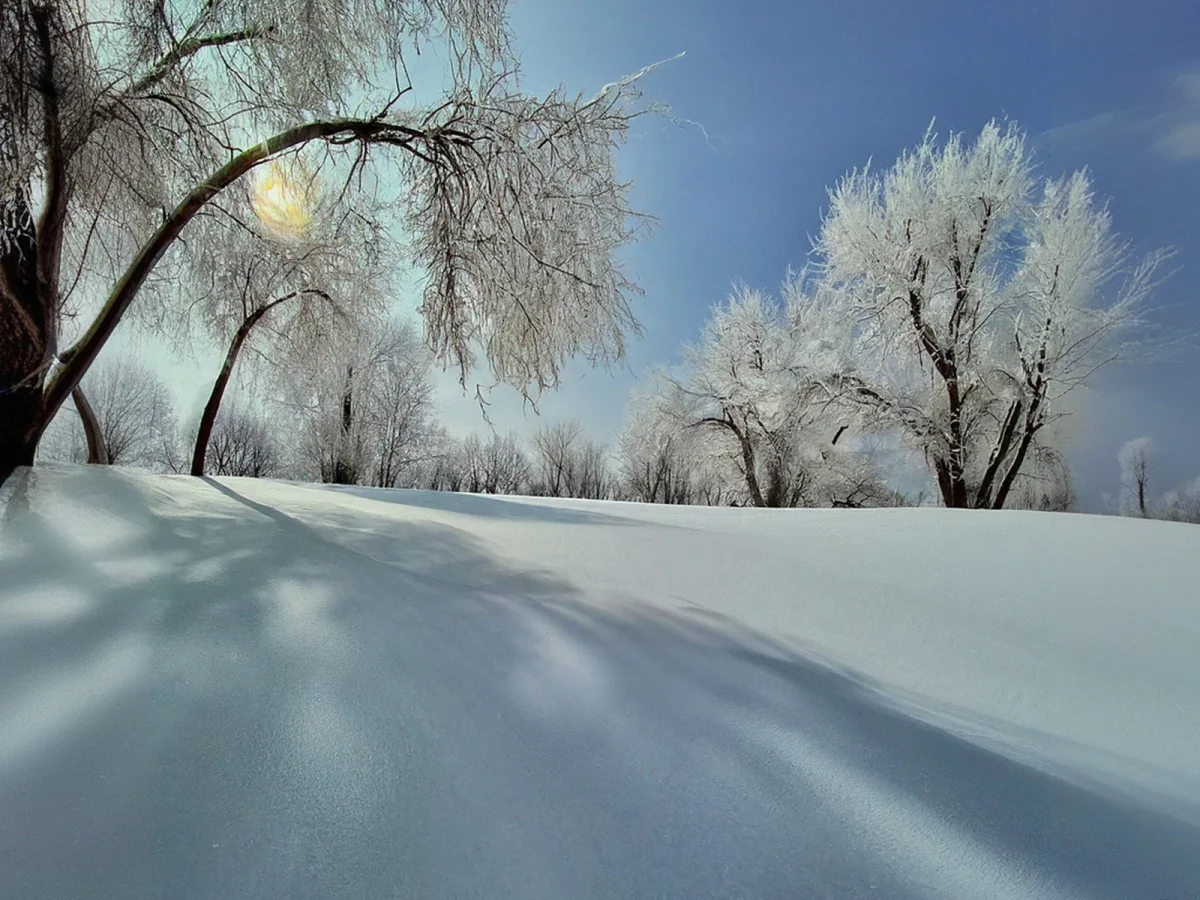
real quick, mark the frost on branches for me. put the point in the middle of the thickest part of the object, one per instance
(119, 123)
(751, 398)
(979, 297)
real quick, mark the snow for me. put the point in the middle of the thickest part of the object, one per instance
(240, 688)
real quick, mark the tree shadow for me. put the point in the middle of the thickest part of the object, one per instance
(568, 512)
(203, 694)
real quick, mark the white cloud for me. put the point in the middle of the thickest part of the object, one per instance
(1172, 124)
(1179, 139)
(1181, 142)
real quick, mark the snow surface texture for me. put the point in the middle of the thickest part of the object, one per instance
(235, 688)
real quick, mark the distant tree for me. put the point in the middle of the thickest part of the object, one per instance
(496, 466)
(242, 444)
(978, 298)
(1045, 482)
(554, 454)
(1135, 458)
(567, 464)
(366, 406)
(1183, 505)
(755, 385)
(401, 408)
(654, 457)
(445, 468)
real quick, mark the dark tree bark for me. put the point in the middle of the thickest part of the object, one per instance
(23, 338)
(96, 448)
(345, 471)
(209, 417)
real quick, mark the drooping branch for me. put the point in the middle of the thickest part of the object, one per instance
(162, 67)
(84, 352)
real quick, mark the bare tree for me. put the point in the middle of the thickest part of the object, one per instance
(242, 445)
(567, 464)
(498, 465)
(120, 123)
(1135, 457)
(133, 408)
(654, 467)
(1045, 482)
(445, 469)
(978, 300)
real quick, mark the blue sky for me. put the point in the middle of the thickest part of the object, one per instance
(792, 95)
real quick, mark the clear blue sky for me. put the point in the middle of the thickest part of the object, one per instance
(793, 94)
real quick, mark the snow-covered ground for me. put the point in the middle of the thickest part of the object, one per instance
(234, 688)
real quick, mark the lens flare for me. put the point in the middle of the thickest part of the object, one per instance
(281, 196)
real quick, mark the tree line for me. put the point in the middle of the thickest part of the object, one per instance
(232, 172)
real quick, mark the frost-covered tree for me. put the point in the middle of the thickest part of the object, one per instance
(400, 408)
(498, 465)
(365, 406)
(1045, 482)
(120, 122)
(654, 457)
(980, 296)
(660, 460)
(754, 383)
(554, 452)
(568, 464)
(1183, 505)
(444, 469)
(243, 444)
(250, 288)
(1135, 458)
(131, 408)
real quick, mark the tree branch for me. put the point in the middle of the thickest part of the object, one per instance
(84, 352)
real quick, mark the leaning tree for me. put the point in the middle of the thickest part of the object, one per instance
(120, 122)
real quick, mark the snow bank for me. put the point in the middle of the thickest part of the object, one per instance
(248, 688)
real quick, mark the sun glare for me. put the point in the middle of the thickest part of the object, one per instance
(281, 196)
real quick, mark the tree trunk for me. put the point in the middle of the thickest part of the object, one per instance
(97, 451)
(945, 486)
(80, 357)
(1014, 469)
(18, 431)
(983, 498)
(213, 406)
(345, 471)
(748, 460)
(23, 337)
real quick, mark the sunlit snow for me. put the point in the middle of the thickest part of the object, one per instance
(239, 688)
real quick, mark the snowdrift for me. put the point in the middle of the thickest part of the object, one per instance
(224, 687)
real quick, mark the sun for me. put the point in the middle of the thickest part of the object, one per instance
(281, 196)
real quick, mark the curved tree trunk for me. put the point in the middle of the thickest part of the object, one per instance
(96, 448)
(209, 418)
(213, 406)
(82, 354)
